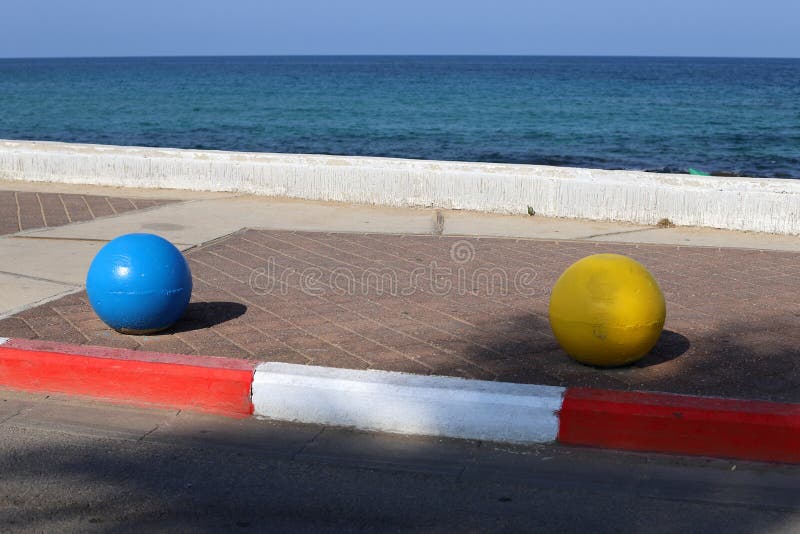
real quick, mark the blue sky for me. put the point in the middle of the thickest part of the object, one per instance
(56, 28)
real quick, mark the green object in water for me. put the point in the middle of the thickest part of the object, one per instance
(698, 173)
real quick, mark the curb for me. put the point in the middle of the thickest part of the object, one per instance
(411, 404)
(408, 404)
(203, 383)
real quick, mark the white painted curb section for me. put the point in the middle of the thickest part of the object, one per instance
(408, 404)
(3, 340)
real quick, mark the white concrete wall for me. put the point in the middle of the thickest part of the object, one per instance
(757, 204)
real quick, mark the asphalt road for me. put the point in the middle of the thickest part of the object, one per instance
(78, 466)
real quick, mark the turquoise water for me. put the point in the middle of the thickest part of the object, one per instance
(736, 116)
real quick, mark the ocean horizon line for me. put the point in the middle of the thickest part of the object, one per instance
(400, 55)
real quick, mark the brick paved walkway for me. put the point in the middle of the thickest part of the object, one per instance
(25, 211)
(426, 305)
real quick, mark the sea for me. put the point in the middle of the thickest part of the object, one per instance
(728, 116)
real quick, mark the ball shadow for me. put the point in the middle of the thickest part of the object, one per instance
(670, 345)
(199, 315)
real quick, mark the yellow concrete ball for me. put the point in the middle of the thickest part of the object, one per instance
(607, 310)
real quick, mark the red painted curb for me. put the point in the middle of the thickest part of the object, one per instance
(655, 422)
(663, 422)
(202, 383)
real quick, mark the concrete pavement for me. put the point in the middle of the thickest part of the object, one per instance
(71, 465)
(474, 308)
(421, 291)
(198, 217)
(28, 273)
(731, 306)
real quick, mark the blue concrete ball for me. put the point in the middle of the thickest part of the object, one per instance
(139, 284)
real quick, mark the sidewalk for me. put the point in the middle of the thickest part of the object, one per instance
(26, 210)
(23, 209)
(366, 288)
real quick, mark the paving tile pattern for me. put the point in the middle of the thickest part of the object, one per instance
(474, 308)
(20, 210)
